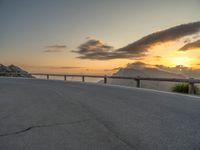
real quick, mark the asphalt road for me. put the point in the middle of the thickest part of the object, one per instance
(57, 115)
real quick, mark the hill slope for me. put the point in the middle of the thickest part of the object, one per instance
(140, 70)
(13, 71)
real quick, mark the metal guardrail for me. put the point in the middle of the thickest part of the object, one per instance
(190, 81)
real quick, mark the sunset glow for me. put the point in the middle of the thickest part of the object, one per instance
(109, 35)
(184, 61)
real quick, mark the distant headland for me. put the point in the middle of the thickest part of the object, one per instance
(13, 71)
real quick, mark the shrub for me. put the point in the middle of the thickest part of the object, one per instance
(184, 88)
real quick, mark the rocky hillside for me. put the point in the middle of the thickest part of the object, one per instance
(141, 70)
(13, 71)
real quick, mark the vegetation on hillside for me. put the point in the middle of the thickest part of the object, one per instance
(184, 88)
(13, 71)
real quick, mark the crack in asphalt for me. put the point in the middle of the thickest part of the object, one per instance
(86, 108)
(42, 126)
(94, 117)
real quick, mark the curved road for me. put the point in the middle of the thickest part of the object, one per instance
(56, 115)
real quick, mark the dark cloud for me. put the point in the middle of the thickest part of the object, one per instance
(171, 34)
(137, 65)
(55, 67)
(189, 46)
(158, 57)
(187, 41)
(196, 36)
(114, 69)
(63, 67)
(55, 48)
(94, 49)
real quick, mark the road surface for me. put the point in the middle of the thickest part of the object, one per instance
(56, 115)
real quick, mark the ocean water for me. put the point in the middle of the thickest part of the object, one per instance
(78, 79)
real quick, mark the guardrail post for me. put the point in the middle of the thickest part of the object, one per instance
(191, 87)
(105, 79)
(47, 76)
(65, 77)
(83, 78)
(137, 83)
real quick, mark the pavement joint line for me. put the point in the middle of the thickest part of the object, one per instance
(42, 126)
(103, 124)
(116, 135)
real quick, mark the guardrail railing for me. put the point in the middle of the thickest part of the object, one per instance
(190, 81)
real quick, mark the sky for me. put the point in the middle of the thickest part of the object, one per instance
(98, 36)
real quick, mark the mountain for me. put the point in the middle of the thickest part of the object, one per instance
(13, 71)
(139, 69)
(186, 71)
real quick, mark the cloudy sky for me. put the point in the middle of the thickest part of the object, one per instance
(97, 36)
